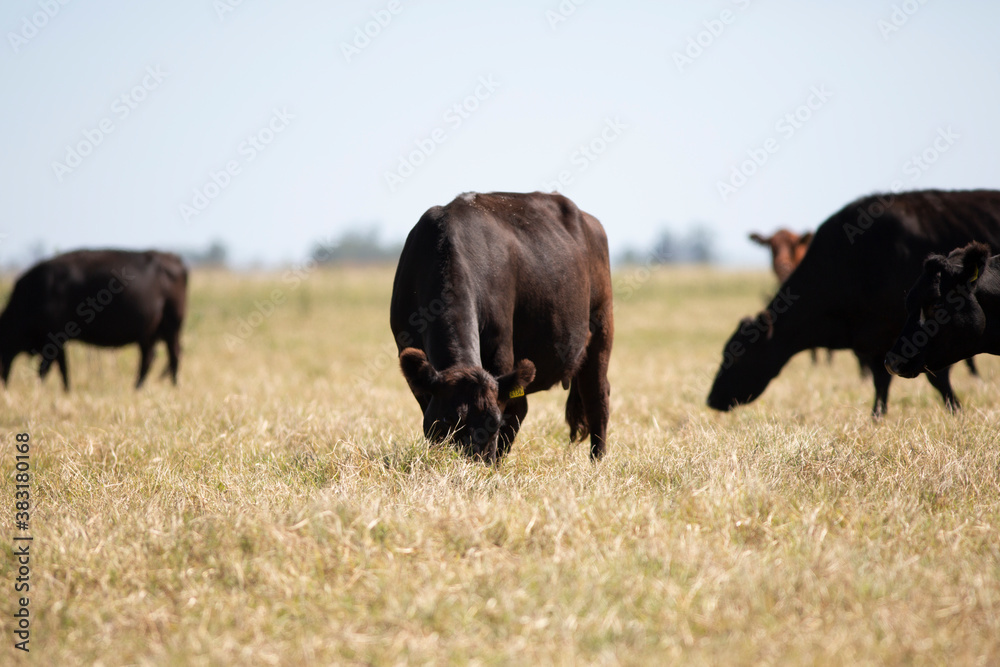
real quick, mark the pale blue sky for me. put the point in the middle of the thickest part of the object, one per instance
(671, 134)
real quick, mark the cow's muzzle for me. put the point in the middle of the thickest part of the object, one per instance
(900, 371)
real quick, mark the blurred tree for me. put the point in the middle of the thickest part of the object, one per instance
(698, 244)
(215, 255)
(695, 246)
(356, 247)
(665, 249)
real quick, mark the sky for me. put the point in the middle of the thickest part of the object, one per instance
(274, 125)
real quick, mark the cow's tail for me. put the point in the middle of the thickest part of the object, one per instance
(175, 283)
(576, 416)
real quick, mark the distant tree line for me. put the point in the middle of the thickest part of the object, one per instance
(695, 246)
(214, 255)
(356, 247)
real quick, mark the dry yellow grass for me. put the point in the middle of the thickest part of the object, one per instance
(280, 507)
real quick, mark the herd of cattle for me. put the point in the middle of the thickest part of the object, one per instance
(497, 296)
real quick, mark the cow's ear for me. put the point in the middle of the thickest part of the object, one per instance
(806, 238)
(419, 373)
(768, 323)
(974, 262)
(757, 238)
(513, 384)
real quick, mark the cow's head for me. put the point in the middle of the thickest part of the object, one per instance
(787, 250)
(944, 320)
(464, 403)
(749, 363)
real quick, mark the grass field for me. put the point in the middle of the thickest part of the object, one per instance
(280, 506)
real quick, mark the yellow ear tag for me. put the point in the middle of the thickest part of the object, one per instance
(975, 276)
(516, 392)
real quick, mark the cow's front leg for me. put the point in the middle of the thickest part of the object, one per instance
(513, 417)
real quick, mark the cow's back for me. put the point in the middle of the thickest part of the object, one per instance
(864, 258)
(115, 297)
(527, 268)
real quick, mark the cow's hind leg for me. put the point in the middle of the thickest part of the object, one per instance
(174, 352)
(941, 381)
(60, 359)
(593, 387)
(971, 363)
(576, 416)
(170, 333)
(63, 367)
(513, 417)
(146, 350)
(881, 379)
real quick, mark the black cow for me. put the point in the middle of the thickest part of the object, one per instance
(953, 312)
(109, 298)
(497, 296)
(849, 290)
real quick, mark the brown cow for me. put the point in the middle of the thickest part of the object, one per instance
(787, 250)
(109, 298)
(497, 296)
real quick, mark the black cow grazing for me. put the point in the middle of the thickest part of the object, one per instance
(787, 250)
(109, 298)
(849, 290)
(497, 296)
(953, 312)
